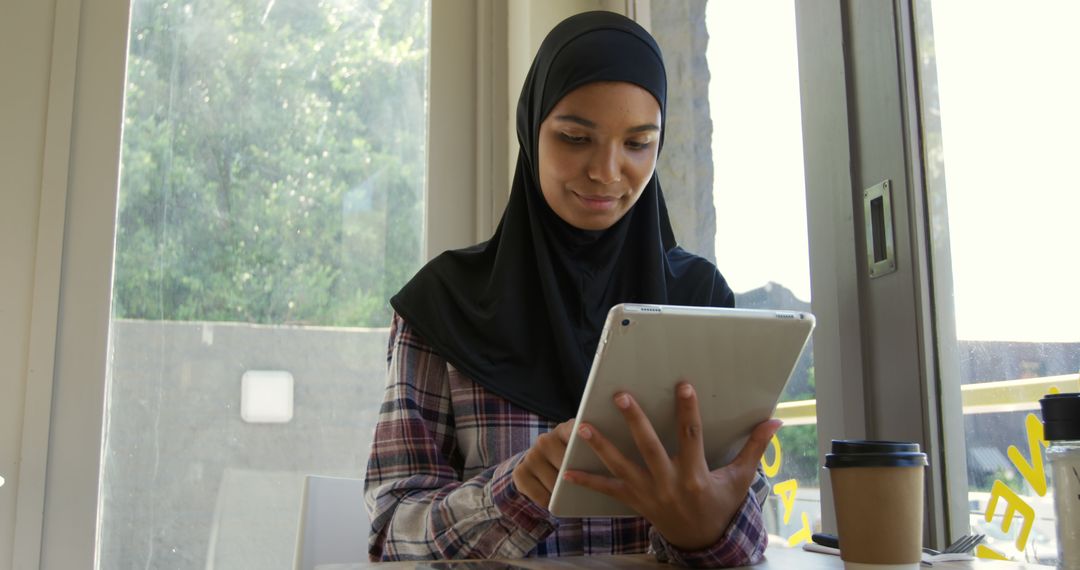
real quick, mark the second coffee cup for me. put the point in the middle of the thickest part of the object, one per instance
(878, 495)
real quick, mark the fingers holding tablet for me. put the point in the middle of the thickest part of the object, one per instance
(627, 476)
(750, 456)
(535, 476)
(648, 443)
(699, 427)
(636, 486)
(687, 503)
(691, 454)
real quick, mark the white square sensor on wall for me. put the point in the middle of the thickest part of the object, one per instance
(266, 396)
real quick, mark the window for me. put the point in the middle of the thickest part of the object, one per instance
(750, 186)
(271, 200)
(999, 125)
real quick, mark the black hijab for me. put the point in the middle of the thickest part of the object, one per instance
(521, 313)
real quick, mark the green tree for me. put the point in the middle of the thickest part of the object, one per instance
(273, 160)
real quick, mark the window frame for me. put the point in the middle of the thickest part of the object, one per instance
(890, 368)
(29, 484)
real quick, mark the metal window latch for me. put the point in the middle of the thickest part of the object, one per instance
(877, 212)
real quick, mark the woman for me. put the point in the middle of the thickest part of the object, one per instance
(490, 346)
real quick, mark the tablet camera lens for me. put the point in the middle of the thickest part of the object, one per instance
(625, 322)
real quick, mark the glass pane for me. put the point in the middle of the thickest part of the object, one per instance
(754, 193)
(761, 238)
(1000, 122)
(271, 200)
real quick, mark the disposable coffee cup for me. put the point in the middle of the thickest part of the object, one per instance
(878, 495)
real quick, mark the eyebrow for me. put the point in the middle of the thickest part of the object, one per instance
(648, 127)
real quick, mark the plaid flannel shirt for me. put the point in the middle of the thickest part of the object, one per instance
(439, 484)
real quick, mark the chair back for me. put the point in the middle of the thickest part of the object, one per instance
(333, 523)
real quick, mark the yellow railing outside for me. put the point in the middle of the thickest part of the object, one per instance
(1013, 395)
(983, 398)
(797, 413)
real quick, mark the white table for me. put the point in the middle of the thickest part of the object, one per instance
(776, 558)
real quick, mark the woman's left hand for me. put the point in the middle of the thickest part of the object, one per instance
(690, 505)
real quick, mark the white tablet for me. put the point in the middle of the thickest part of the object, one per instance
(738, 361)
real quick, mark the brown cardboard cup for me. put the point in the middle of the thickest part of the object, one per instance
(878, 494)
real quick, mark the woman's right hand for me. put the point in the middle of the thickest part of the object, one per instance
(535, 476)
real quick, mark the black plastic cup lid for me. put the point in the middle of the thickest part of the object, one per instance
(1061, 416)
(862, 453)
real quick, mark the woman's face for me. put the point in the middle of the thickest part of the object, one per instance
(597, 151)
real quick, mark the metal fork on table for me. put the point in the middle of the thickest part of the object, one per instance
(962, 545)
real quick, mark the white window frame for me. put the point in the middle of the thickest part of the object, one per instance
(878, 366)
(29, 485)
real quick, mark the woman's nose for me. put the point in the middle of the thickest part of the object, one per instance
(604, 166)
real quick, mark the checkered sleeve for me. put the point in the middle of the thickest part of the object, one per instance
(742, 544)
(420, 505)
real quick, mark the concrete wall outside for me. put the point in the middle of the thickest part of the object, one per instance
(188, 484)
(685, 165)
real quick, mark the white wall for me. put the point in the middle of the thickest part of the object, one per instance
(26, 30)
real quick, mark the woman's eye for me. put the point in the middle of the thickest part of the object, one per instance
(637, 145)
(573, 139)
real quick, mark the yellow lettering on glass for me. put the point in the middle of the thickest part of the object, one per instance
(771, 469)
(1034, 472)
(1014, 505)
(786, 491)
(984, 551)
(804, 533)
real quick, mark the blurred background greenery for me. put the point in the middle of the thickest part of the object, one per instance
(285, 189)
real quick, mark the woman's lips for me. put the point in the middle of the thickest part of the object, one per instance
(597, 203)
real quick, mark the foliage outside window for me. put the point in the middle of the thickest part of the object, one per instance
(273, 160)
